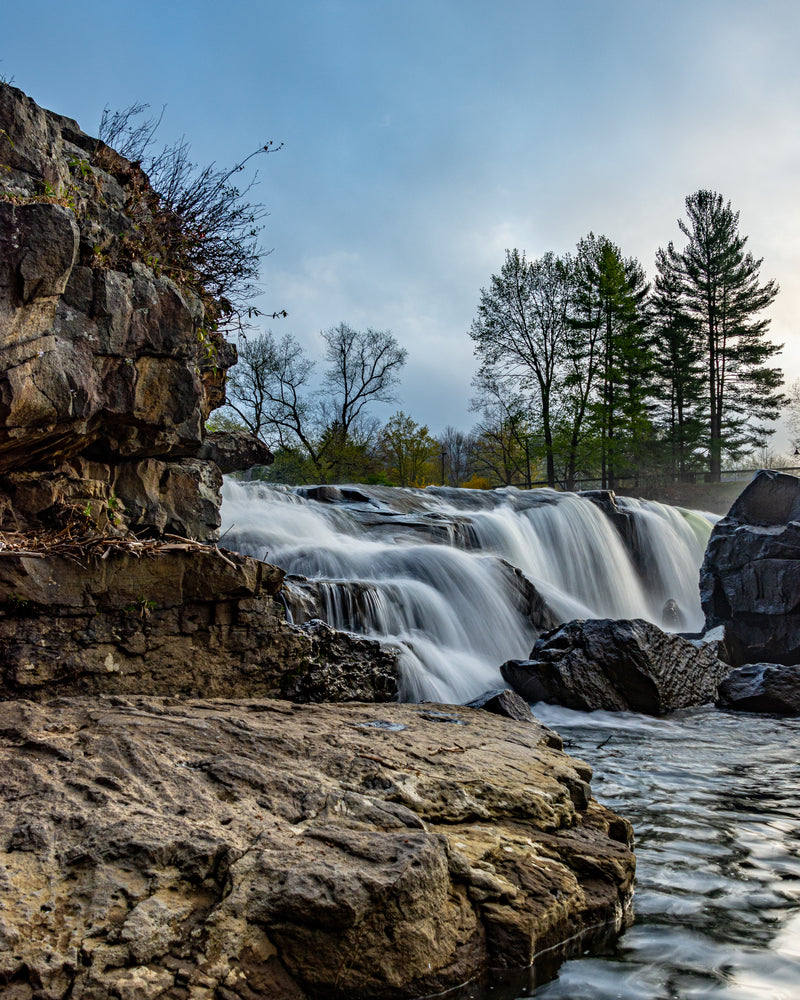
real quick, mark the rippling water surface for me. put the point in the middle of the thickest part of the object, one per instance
(715, 802)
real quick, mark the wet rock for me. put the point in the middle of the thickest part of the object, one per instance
(671, 616)
(617, 666)
(749, 578)
(207, 848)
(762, 687)
(344, 667)
(333, 494)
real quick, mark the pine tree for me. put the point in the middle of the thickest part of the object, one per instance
(678, 367)
(609, 308)
(722, 293)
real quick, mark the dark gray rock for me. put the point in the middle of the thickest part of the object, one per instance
(617, 666)
(762, 687)
(234, 451)
(503, 702)
(333, 494)
(750, 578)
(342, 667)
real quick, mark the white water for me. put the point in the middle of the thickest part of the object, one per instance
(424, 569)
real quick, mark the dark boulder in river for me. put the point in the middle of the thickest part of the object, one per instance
(617, 666)
(770, 688)
(750, 579)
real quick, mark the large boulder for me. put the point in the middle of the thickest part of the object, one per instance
(207, 849)
(750, 578)
(617, 666)
(762, 687)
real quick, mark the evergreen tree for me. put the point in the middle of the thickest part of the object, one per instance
(722, 293)
(678, 367)
(611, 323)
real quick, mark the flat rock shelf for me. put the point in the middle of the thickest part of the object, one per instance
(218, 849)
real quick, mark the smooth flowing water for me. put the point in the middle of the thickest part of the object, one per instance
(714, 799)
(432, 571)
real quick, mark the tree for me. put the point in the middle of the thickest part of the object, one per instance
(678, 352)
(520, 333)
(407, 449)
(793, 414)
(612, 343)
(722, 293)
(456, 451)
(271, 389)
(363, 368)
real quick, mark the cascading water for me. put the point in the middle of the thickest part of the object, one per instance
(433, 571)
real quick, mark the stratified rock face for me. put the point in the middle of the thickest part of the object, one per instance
(750, 579)
(290, 852)
(104, 361)
(762, 687)
(172, 619)
(617, 666)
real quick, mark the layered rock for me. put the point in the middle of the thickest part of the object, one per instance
(109, 367)
(617, 666)
(213, 849)
(749, 579)
(171, 619)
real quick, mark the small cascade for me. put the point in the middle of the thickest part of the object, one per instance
(462, 580)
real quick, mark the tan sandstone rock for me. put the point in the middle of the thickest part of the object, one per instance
(259, 849)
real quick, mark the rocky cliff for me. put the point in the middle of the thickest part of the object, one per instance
(110, 367)
(154, 845)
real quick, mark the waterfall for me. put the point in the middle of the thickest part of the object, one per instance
(442, 574)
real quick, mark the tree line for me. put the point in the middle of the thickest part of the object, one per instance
(610, 376)
(586, 370)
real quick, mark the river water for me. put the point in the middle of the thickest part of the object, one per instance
(714, 798)
(431, 572)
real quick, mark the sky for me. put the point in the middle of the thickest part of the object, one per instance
(423, 138)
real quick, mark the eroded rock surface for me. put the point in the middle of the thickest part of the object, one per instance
(209, 849)
(617, 666)
(750, 579)
(109, 368)
(172, 619)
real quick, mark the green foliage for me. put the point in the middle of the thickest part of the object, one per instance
(583, 367)
(408, 451)
(521, 333)
(721, 292)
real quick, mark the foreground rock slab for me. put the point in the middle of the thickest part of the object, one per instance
(750, 575)
(210, 849)
(618, 666)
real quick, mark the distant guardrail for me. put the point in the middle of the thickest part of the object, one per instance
(635, 482)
